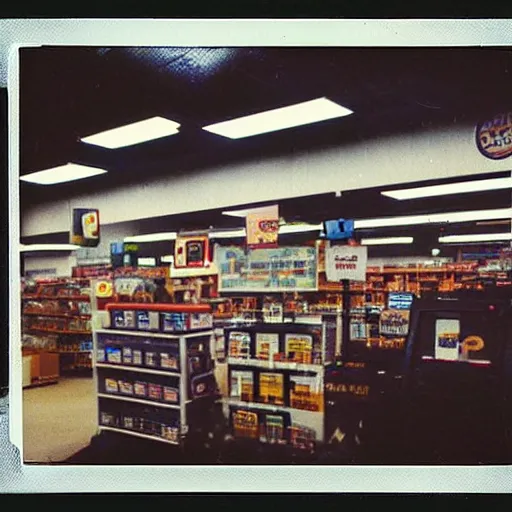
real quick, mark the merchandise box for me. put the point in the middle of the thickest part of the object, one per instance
(168, 318)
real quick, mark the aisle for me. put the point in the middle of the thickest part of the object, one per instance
(58, 420)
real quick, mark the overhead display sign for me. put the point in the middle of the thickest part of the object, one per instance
(85, 227)
(494, 136)
(346, 262)
(267, 270)
(262, 227)
(191, 251)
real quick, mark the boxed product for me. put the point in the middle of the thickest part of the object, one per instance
(306, 392)
(171, 394)
(302, 437)
(267, 344)
(299, 348)
(125, 387)
(128, 422)
(169, 361)
(180, 321)
(109, 419)
(123, 319)
(150, 359)
(245, 424)
(114, 354)
(148, 320)
(239, 344)
(137, 357)
(272, 429)
(242, 385)
(127, 355)
(272, 388)
(111, 386)
(155, 391)
(100, 355)
(171, 433)
(140, 389)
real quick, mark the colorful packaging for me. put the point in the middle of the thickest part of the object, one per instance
(267, 345)
(137, 357)
(239, 344)
(100, 355)
(151, 359)
(168, 361)
(272, 388)
(114, 355)
(242, 385)
(200, 321)
(140, 388)
(127, 355)
(170, 394)
(125, 387)
(148, 320)
(111, 386)
(155, 391)
(245, 424)
(299, 348)
(174, 322)
(306, 393)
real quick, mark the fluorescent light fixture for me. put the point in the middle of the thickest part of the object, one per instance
(487, 237)
(151, 237)
(146, 262)
(234, 233)
(307, 112)
(168, 258)
(387, 241)
(48, 247)
(450, 188)
(244, 213)
(135, 133)
(61, 174)
(299, 228)
(469, 216)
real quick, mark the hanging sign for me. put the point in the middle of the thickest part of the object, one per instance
(262, 227)
(494, 136)
(191, 251)
(85, 228)
(346, 262)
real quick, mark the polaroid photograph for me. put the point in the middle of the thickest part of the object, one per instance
(383, 147)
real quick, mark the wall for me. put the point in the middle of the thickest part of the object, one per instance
(62, 263)
(444, 153)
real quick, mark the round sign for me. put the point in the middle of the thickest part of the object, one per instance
(494, 136)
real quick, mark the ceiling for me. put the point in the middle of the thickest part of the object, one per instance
(71, 92)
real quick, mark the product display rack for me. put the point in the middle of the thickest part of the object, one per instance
(153, 370)
(56, 326)
(276, 382)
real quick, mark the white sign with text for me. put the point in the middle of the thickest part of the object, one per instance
(346, 262)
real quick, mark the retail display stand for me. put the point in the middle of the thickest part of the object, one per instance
(56, 328)
(153, 369)
(276, 382)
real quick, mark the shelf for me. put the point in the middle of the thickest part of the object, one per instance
(53, 331)
(57, 315)
(137, 434)
(155, 334)
(273, 407)
(137, 400)
(70, 351)
(79, 298)
(275, 365)
(137, 369)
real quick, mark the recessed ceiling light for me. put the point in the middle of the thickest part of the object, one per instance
(151, 237)
(135, 133)
(61, 174)
(387, 241)
(487, 237)
(48, 247)
(469, 216)
(307, 112)
(450, 188)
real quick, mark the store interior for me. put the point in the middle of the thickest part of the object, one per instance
(334, 290)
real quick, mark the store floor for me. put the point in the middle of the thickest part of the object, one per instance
(58, 419)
